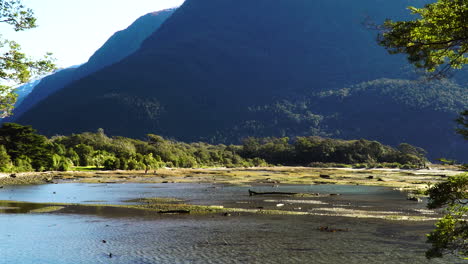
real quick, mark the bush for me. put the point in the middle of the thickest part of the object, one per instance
(65, 165)
(409, 167)
(132, 164)
(359, 166)
(111, 164)
(5, 161)
(393, 165)
(23, 164)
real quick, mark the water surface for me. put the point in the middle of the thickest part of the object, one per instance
(78, 238)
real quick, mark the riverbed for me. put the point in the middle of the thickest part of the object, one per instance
(337, 224)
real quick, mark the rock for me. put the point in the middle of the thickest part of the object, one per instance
(12, 175)
(279, 205)
(414, 198)
(227, 214)
(324, 176)
(103, 241)
(370, 177)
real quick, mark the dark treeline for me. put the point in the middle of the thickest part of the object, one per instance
(22, 149)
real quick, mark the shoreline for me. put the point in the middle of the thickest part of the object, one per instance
(411, 180)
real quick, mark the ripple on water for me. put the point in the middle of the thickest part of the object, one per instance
(60, 239)
(65, 239)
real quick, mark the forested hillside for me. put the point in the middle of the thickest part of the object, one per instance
(220, 71)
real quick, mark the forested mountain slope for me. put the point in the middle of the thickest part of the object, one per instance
(222, 70)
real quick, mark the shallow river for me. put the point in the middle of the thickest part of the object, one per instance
(78, 238)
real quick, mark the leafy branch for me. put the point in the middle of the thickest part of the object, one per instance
(15, 66)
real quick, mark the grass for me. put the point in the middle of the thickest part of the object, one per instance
(87, 168)
(47, 209)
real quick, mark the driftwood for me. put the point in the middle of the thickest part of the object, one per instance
(175, 212)
(331, 230)
(252, 193)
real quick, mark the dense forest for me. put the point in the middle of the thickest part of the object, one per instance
(22, 150)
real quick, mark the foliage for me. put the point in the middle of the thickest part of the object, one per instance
(30, 151)
(436, 41)
(312, 150)
(22, 144)
(5, 161)
(15, 66)
(451, 233)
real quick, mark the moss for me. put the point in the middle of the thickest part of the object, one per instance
(154, 200)
(47, 209)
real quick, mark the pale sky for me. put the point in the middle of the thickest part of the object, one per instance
(74, 29)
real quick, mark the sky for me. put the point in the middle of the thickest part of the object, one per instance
(74, 29)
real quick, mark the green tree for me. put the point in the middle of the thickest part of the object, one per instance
(85, 153)
(15, 66)
(451, 233)
(437, 40)
(5, 161)
(22, 141)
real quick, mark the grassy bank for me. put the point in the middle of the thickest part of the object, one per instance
(397, 178)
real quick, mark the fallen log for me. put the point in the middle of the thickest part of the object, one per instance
(175, 212)
(252, 193)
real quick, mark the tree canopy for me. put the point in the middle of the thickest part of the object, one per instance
(15, 66)
(436, 41)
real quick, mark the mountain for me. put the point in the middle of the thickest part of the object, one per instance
(117, 47)
(24, 90)
(221, 70)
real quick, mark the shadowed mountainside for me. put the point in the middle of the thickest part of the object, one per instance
(220, 70)
(117, 47)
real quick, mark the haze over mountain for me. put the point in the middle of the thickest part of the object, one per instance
(119, 46)
(221, 70)
(24, 90)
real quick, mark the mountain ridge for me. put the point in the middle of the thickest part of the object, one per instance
(117, 47)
